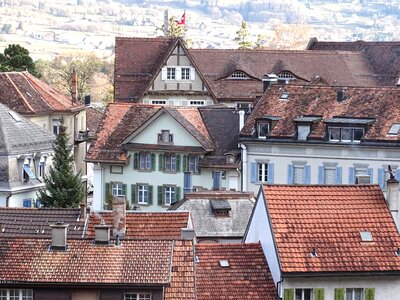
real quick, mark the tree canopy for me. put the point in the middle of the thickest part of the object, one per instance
(243, 37)
(63, 187)
(16, 58)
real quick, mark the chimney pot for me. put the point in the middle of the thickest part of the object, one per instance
(119, 216)
(59, 236)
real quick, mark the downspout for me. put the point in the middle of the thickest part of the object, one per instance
(244, 167)
(7, 199)
(278, 287)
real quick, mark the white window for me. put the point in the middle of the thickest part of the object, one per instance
(354, 294)
(171, 73)
(56, 123)
(302, 132)
(185, 73)
(263, 129)
(239, 75)
(196, 103)
(298, 175)
(286, 75)
(338, 134)
(117, 189)
(165, 137)
(303, 294)
(170, 162)
(144, 161)
(16, 294)
(169, 194)
(42, 167)
(137, 296)
(143, 193)
(330, 175)
(262, 172)
(159, 102)
(193, 163)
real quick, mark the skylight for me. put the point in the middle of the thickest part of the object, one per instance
(284, 96)
(224, 263)
(15, 116)
(366, 236)
(394, 130)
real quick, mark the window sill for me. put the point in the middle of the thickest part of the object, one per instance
(170, 172)
(143, 170)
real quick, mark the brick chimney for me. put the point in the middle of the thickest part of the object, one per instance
(392, 197)
(74, 86)
(119, 216)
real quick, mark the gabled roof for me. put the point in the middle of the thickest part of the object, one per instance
(34, 222)
(140, 225)
(382, 56)
(247, 276)
(380, 104)
(207, 224)
(333, 67)
(28, 95)
(122, 120)
(19, 135)
(93, 119)
(134, 262)
(328, 220)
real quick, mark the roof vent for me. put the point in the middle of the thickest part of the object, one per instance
(366, 236)
(313, 253)
(224, 263)
(59, 236)
(102, 233)
(220, 207)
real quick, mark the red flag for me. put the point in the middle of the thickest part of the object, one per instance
(182, 20)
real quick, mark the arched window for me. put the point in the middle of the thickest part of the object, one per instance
(287, 75)
(239, 75)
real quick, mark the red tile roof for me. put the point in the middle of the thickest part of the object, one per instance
(150, 225)
(182, 286)
(329, 219)
(93, 119)
(27, 95)
(247, 277)
(132, 263)
(34, 223)
(322, 101)
(122, 119)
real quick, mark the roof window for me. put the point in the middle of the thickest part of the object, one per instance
(394, 130)
(15, 116)
(284, 96)
(286, 75)
(238, 75)
(220, 207)
(224, 263)
(366, 236)
(313, 253)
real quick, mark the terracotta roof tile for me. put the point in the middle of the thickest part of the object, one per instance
(28, 95)
(322, 101)
(34, 223)
(329, 219)
(140, 225)
(93, 120)
(134, 262)
(247, 276)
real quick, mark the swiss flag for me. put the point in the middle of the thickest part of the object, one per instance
(182, 20)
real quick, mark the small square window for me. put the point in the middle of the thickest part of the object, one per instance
(263, 129)
(117, 189)
(165, 137)
(171, 73)
(262, 174)
(185, 73)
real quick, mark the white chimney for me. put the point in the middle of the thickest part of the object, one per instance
(392, 197)
(241, 119)
(59, 236)
(102, 233)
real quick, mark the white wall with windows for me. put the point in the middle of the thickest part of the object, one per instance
(299, 163)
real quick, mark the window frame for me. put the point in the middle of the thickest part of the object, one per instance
(144, 161)
(299, 168)
(159, 102)
(259, 125)
(193, 164)
(56, 125)
(170, 162)
(343, 140)
(118, 187)
(169, 190)
(144, 198)
(239, 75)
(138, 296)
(171, 73)
(311, 296)
(185, 73)
(353, 290)
(262, 172)
(161, 137)
(21, 294)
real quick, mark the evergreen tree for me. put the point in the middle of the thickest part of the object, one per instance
(63, 188)
(16, 58)
(243, 37)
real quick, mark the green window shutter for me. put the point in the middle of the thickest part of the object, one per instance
(319, 294)
(161, 162)
(153, 162)
(107, 193)
(177, 194)
(124, 189)
(160, 195)
(370, 294)
(133, 193)
(178, 163)
(185, 167)
(150, 198)
(339, 294)
(288, 294)
(135, 160)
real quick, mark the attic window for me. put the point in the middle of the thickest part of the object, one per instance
(366, 236)
(263, 129)
(284, 96)
(224, 263)
(286, 75)
(238, 75)
(15, 116)
(394, 130)
(220, 207)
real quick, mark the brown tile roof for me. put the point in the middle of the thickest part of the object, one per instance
(333, 67)
(322, 101)
(122, 119)
(247, 276)
(137, 62)
(182, 286)
(383, 56)
(93, 120)
(150, 225)
(34, 223)
(329, 219)
(27, 95)
(132, 263)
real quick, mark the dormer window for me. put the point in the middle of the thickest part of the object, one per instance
(238, 75)
(302, 132)
(345, 134)
(220, 207)
(165, 137)
(263, 129)
(286, 75)
(230, 159)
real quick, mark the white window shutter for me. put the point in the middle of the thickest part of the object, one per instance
(164, 73)
(178, 73)
(192, 73)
